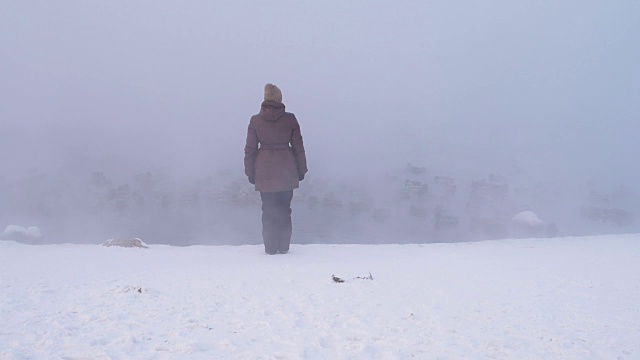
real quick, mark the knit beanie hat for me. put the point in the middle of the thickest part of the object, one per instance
(272, 93)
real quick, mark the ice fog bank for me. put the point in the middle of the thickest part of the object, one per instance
(407, 204)
(125, 119)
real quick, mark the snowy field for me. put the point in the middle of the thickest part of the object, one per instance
(563, 298)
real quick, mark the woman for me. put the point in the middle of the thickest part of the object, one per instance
(274, 160)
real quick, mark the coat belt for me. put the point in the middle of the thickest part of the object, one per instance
(274, 146)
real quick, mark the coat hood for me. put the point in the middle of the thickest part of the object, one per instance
(271, 110)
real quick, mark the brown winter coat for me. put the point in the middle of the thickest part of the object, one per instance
(274, 153)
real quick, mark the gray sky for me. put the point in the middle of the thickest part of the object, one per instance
(549, 85)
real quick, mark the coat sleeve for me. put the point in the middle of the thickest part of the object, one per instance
(298, 148)
(250, 151)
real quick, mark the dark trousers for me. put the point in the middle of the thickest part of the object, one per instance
(276, 221)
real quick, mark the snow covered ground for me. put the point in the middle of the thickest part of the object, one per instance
(563, 298)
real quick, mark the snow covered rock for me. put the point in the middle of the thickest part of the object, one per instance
(30, 235)
(135, 242)
(526, 224)
(527, 218)
(33, 232)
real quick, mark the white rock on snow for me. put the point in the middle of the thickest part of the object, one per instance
(129, 243)
(21, 234)
(527, 218)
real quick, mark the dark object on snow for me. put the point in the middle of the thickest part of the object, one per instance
(336, 279)
(370, 277)
(137, 289)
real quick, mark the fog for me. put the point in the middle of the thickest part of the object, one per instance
(128, 119)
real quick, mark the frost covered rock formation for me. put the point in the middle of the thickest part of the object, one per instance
(526, 224)
(135, 242)
(29, 235)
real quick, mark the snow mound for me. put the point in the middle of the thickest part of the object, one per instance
(527, 218)
(129, 243)
(22, 234)
(33, 232)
